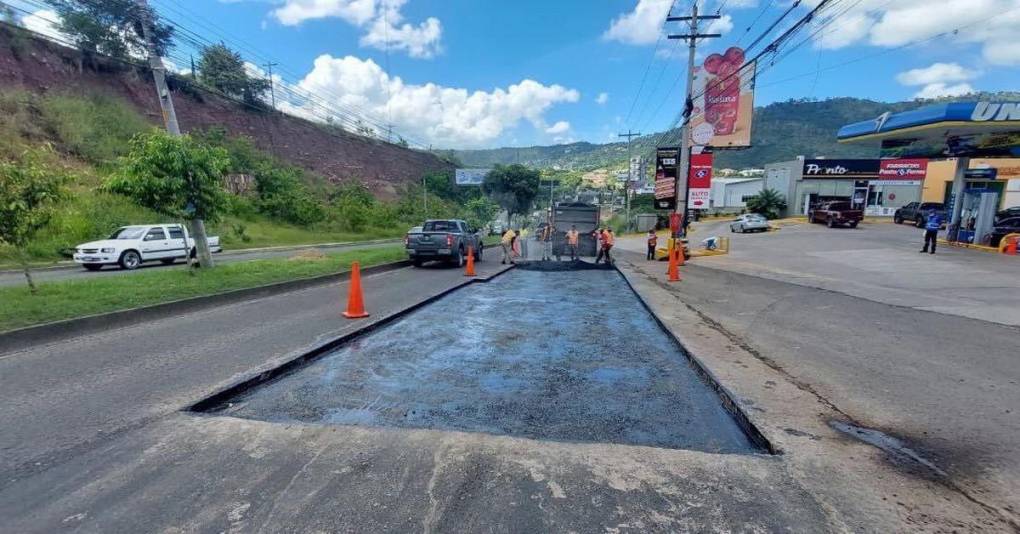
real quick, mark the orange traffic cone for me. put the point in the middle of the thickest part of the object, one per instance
(1011, 246)
(469, 269)
(674, 269)
(355, 301)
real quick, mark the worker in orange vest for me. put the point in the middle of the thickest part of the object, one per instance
(653, 242)
(607, 244)
(572, 239)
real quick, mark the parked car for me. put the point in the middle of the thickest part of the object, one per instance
(444, 240)
(131, 246)
(835, 213)
(917, 212)
(1004, 227)
(750, 222)
(1007, 213)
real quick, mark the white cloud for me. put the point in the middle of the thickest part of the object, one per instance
(382, 20)
(989, 24)
(721, 25)
(558, 128)
(936, 73)
(935, 90)
(43, 22)
(602, 99)
(445, 116)
(641, 26)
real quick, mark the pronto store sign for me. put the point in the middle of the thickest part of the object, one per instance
(840, 168)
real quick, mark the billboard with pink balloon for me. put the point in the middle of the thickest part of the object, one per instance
(723, 101)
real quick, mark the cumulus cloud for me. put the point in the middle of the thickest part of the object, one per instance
(644, 25)
(935, 73)
(989, 24)
(44, 22)
(382, 21)
(445, 116)
(602, 99)
(935, 90)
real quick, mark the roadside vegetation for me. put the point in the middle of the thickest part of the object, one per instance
(55, 301)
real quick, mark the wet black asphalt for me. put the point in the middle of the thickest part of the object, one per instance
(563, 356)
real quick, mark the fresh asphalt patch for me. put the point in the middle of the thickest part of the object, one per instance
(561, 356)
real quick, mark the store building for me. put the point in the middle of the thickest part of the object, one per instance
(876, 186)
(997, 175)
(731, 194)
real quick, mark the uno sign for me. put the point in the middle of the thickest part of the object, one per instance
(996, 111)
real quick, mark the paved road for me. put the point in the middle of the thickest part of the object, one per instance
(949, 385)
(75, 272)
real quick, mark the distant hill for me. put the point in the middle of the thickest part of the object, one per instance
(781, 131)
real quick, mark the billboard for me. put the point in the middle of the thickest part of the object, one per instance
(724, 101)
(470, 176)
(902, 169)
(666, 162)
(699, 184)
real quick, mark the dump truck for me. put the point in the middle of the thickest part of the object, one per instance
(585, 217)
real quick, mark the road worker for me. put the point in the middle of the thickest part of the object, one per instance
(547, 239)
(507, 243)
(607, 244)
(572, 239)
(653, 242)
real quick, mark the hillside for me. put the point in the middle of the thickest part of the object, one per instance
(39, 66)
(781, 131)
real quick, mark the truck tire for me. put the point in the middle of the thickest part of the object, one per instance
(830, 223)
(458, 260)
(129, 260)
(854, 224)
(417, 263)
(897, 219)
(919, 222)
(478, 252)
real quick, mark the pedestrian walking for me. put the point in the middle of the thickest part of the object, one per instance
(572, 239)
(931, 231)
(653, 242)
(506, 243)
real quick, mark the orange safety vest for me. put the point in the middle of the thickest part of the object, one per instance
(607, 238)
(572, 237)
(653, 240)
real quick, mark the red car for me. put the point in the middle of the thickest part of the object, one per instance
(835, 213)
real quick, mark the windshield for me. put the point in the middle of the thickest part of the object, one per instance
(128, 233)
(441, 226)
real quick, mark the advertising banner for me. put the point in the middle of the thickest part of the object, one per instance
(840, 168)
(699, 185)
(470, 176)
(666, 162)
(902, 169)
(724, 101)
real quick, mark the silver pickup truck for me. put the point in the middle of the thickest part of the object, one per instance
(442, 239)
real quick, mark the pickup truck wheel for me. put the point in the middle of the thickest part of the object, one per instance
(830, 223)
(478, 253)
(167, 261)
(854, 224)
(919, 222)
(92, 266)
(130, 260)
(458, 260)
(417, 263)
(897, 219)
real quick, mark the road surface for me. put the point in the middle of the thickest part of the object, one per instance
(76, 272)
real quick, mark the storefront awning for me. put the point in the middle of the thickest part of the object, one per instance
(956, 129)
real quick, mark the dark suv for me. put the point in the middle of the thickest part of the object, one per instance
(917, 212)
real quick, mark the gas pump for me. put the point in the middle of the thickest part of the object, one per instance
(977, 215)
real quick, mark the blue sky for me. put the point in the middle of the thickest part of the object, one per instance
(485, 73)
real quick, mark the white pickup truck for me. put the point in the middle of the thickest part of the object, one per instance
(130, 246)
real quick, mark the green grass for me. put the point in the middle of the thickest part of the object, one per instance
(262, 232)
(77, 298)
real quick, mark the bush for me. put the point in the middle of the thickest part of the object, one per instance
(97, 128)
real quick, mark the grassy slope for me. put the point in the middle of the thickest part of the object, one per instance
(63, 300)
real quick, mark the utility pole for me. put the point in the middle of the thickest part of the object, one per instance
(683, 172)
(630, 170)
(272, 86)
(166, 103)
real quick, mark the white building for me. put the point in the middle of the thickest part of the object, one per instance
(733, 192)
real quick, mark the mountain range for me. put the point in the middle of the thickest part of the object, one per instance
(781, 131)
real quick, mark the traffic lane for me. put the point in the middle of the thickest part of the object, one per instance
(77, 272)
(61, 397)
(946, 385)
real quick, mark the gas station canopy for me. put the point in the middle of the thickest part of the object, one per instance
(958, 129)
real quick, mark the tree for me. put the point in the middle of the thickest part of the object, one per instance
(513, 187)
(111, 27)
(28, 195)
(223, 69)
(178, 177)
(768, 203)
(480, 211)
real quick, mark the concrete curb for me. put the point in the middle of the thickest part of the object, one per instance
(728, 399)
(21, 338)
(220, 397)
(69, 265)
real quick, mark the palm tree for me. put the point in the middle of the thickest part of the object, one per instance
(768, 203)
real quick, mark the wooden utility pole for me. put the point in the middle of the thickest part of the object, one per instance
(166, 103)
(630, 170)
(683, 172)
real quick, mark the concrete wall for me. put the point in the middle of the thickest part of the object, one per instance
(782, 177)
(731, 194)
